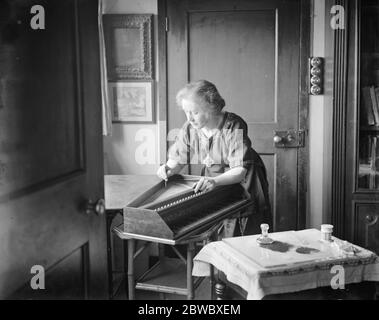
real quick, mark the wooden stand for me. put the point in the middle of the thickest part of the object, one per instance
(167, 275)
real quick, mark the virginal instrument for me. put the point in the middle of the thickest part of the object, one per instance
(167, 213)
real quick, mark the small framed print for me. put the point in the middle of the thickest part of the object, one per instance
(132, 102)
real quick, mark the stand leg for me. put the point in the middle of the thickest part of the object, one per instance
(213, 237)
(211, 280)
(161, 252)
(109, 218)
(125, 250)
(131, 284)
(220, 290)
(190, 250)
(162, 295)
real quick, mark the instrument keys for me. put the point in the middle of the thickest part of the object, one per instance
(178, 201)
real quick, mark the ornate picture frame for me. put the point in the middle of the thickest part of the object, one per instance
(132, 101)
(129, 46)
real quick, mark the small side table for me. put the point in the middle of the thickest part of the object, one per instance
(167, 275)
(296, 262)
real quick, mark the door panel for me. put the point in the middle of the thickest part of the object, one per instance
(251, 51)
(51, 151)
(247, 41)
(66, 279)
(26, 142)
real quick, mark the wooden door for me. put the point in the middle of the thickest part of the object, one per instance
(50, 152)
(251, 50)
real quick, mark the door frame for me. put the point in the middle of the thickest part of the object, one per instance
(304, 54)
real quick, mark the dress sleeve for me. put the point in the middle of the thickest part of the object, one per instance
(179, 150)
(239, 151)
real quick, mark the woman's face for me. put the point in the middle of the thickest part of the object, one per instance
(196, 114)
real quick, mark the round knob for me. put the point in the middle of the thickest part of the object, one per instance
(315, 80)
(315, 71)
(277, 139)
(315, 62)
(97, 208)
(315, 90)
(290, 138)
(369, 218)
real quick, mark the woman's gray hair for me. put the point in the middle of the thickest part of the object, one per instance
(204, 90)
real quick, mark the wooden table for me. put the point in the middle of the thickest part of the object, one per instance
(295, 262)
(120, 190)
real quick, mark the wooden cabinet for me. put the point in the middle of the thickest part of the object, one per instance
(361, 216)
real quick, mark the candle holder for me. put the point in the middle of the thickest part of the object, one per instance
(264, 238)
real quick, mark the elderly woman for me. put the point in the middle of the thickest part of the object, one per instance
(215, 144)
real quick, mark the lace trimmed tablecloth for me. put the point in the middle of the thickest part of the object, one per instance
(307, 263)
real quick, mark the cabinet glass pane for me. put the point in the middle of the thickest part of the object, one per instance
(368, 171)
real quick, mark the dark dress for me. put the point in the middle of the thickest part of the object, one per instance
(229, 147)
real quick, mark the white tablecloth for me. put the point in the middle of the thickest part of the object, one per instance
(259, 281)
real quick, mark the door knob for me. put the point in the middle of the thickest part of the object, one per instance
(369, 218)
(97, 208)
(290, 138)
(277, 139)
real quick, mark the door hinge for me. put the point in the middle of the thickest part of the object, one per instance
(166, 22)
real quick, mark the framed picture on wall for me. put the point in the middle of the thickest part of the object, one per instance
(129, 46)
(132, 101)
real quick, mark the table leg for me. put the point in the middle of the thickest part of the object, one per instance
(131, 282)
(220, 290)
(190, 250)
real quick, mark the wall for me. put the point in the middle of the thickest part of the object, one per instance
(316, 127)
(320, 125)
(133, 148)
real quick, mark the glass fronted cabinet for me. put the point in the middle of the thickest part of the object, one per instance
(369, 96)
(361, 210)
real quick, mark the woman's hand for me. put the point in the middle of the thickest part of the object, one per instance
(164, 172)
(205, 184)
